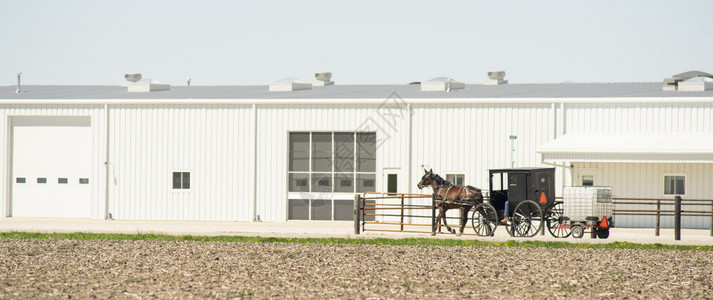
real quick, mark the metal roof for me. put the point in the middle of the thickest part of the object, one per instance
(405, 91)
(630, 147)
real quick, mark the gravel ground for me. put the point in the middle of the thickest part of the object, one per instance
(179, 269)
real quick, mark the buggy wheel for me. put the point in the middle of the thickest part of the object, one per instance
(484, 219)
(556, 223)
(527, 219)
(603, 233)
(577, 231)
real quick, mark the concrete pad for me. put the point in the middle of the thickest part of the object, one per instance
(339, 229)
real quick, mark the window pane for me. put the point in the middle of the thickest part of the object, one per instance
(668, 185)
(186, 180)
(83, 180)
(322, 151)
(451, 178)
(588, 180)
(497, 181)
(299, 161)
(62, 180)
(344, 152)
(366, 152)
(366, 183)
(343, 210)
(20, 180)
(344, 183)
(41, 180)
(299, 141)
(321, 210)
(176, 180)
(321, 182)
(392, 183)
(298, 209)
(299, 182)
(680, 185)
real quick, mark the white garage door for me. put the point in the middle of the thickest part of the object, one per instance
(51, 163)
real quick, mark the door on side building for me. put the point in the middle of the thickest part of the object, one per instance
(51, 162)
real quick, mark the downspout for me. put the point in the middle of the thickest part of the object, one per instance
(409, 162)
(107, 165)
(256, 217)
(408, 165)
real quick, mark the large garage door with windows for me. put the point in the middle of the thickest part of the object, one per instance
(51, 161)
(326, 169)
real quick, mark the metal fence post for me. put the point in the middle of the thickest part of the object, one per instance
(433, 214)
(357, 213)
(658, 216)
(677, 219)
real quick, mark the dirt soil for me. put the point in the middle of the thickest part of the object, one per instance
(179, 269)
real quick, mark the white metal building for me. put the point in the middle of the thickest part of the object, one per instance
(245, 153)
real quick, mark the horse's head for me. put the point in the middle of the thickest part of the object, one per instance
(426, 180)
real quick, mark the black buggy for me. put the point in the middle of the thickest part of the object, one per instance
(529, 194)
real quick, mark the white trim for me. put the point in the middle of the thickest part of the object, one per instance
(361, 101)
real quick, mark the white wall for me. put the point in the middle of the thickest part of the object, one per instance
(639, 180)
(148, 142)
(216, 143)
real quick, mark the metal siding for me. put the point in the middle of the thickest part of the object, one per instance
(646, 181)
(151, 141)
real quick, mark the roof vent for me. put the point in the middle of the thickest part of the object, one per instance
(289, 84)
(134, 84)
(691, 81)
(133, 77)
(323, 79)
(440, 84)
(496, 78)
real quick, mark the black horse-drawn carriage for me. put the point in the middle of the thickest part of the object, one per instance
(529, 195)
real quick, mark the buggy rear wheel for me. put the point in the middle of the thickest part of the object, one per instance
(484, 219)
(527, 219)
(556, 223)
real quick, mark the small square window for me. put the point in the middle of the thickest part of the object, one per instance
(83, 180)
(674, 185)
(587, 180)
(62, 180)
(41, 180)
(181, 180)
(20, 180)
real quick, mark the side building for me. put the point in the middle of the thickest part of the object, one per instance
(244, 153)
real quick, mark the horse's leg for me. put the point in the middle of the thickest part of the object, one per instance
(463, 218)
(438, 219)
(445, 222)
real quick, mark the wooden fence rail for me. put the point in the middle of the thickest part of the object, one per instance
(394, 205)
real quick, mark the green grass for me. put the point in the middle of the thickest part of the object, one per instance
(358, 241)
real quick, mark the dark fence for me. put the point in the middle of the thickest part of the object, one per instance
(665, 207)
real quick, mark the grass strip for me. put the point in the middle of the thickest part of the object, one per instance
(357, 241)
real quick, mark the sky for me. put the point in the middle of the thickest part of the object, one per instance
(360, 42)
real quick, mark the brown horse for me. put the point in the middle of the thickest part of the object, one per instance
(449, 196)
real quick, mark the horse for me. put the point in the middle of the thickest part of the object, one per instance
(463, 198)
